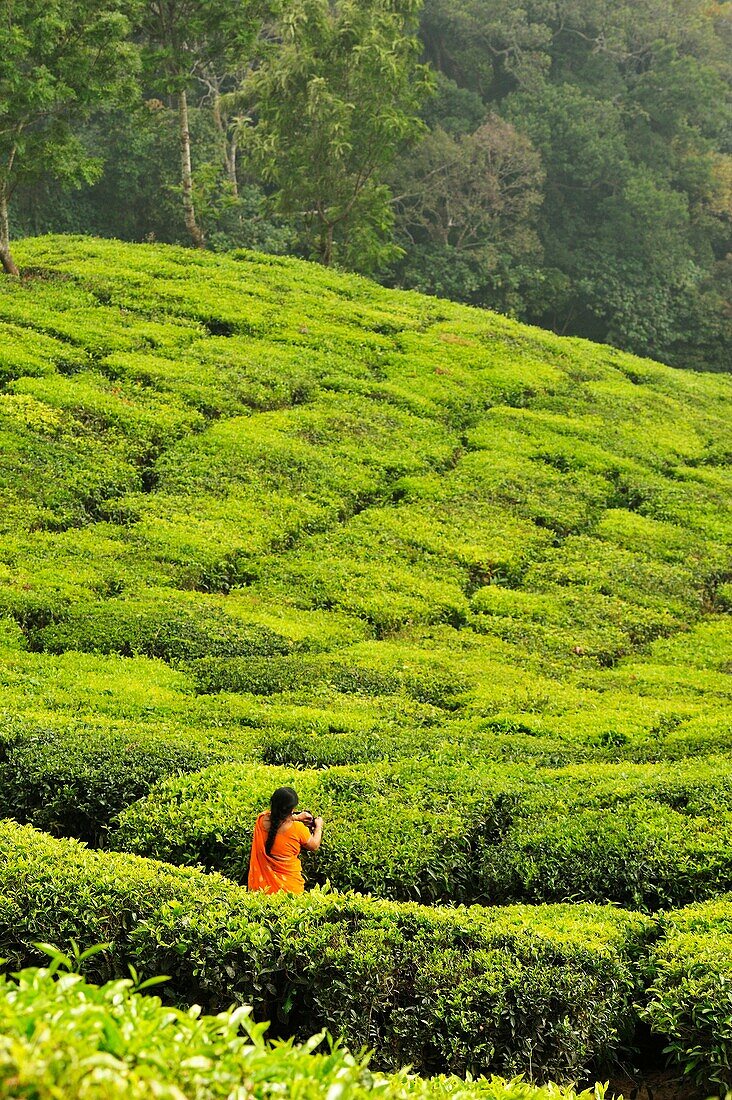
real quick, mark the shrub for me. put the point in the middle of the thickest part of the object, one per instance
(28, 354)
(76, 782)
(395, 830)
(59, 477)
(650, 836)
(308, 750)
(140, 416)
(562, 622)
(424, 682)
(171, 626)
(647, 836)
(462, 990)
(272, 675)
(639, 854)
(66, 1038)
(364, 569)
(690, 992)
(11, 636)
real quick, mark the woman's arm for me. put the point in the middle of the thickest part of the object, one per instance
(313, 843)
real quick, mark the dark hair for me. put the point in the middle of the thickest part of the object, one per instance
(281, 805)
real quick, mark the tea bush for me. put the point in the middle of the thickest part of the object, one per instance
(170, 625)
(403, 831)
(649, 836)
(462, 990)
(67, 1038)
(28, 354)
(272, 675)
(688, 998)
(75, 782)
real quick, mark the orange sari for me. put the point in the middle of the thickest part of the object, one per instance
(281, 870)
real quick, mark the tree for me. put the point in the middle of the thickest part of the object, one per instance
(223, 105)
(333, 101)
(60, 59)
(469, 202)
(488, 46)
(188, 40)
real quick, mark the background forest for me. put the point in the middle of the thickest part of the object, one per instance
(568, 162)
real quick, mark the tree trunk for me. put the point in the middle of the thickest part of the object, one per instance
(189, 209)
(231, 147)
(326, 245)
(228, 147)
(6, 258)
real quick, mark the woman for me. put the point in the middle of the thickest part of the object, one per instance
(279, 837)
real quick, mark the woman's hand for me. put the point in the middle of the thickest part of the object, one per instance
(303, 815)
(313, 844)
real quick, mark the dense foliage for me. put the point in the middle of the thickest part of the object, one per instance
(503, 990)
(689, 1000)
(68, 52)
(567, 163)
(64, 1037)
(465, 583)
(641, 835)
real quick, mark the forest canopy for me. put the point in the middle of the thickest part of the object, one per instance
(567, 162)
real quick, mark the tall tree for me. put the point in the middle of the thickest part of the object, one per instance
(335, 98)
(60, 60)
(466, 210)
(187, 41)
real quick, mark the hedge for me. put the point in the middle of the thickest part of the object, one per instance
(403, 830)
(74, 781)
(67, 1038)
(169, 629)
(297, 673)
(544, 991)
(689, 997)
(649, 836)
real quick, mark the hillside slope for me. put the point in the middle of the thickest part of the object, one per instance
(431, 522)
(465, 583)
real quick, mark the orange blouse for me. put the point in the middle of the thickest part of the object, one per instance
(281, 870)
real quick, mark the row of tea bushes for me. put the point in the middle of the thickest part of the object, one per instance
(646, 835)
(399, 339)
(649, 836)
(28, 354)
(64, 1038)
(392, 457)
(84, 735)
(167, 625)
(74, 780)
(546, 991)
(403, 831)
(470, 989)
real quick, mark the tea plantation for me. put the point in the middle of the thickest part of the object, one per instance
(465, 584)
